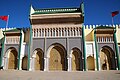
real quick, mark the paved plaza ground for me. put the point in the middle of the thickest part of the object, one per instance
(37, 75)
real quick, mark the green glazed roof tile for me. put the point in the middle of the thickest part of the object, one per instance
(56, 10)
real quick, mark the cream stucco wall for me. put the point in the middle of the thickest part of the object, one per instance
(89, 34)
(27, 36)
(118, 35)
(1, 34)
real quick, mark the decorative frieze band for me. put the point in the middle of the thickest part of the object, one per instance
(12, 40)
(104, 38)
(57, 32)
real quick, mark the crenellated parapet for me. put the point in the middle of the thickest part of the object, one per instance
(95, 26)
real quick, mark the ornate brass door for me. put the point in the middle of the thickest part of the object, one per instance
(90, 63)
(75, 61)
(12, 60)
(39, 61)
(107, 59)
(104, 61)
(24, 63)
(56, 61)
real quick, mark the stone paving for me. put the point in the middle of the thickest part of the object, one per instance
(37, 75)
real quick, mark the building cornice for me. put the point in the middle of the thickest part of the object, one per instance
(54, 10)
(58, 15)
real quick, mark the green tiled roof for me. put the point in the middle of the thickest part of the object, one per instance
(104, 27)
(12, 30)
(56, 10)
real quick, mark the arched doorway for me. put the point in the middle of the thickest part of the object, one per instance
(12, 63)
(107, 59)
(90, 63)
(57, 58)
(24, 63)
(39, 60)
(76, 59)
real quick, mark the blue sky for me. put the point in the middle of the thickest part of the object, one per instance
(96, 11)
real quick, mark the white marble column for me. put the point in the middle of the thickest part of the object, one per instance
(102, 39)
(33, 32)
(4, 63)
(52, 32)
(107, 39)
(20, 66)
(17, 64)
(30, 69)
(38, 32)
(99, 63)
(69, 64)
(33, 63)
(55, 31)
(67, 31)
(110, 39)
(44, 32)
(75, 31)
(70, 32)
(46, 64)
(61, 32)
(64, 31)
(49, 32)
(80, 31)
(98, 39)
(58, 32)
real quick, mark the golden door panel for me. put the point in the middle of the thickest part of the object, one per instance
(39, 61)
(12, 60)
(75, 61)
(90, 63)
(107, 59)
(24, 63)
(104, 61)
(56, 59)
